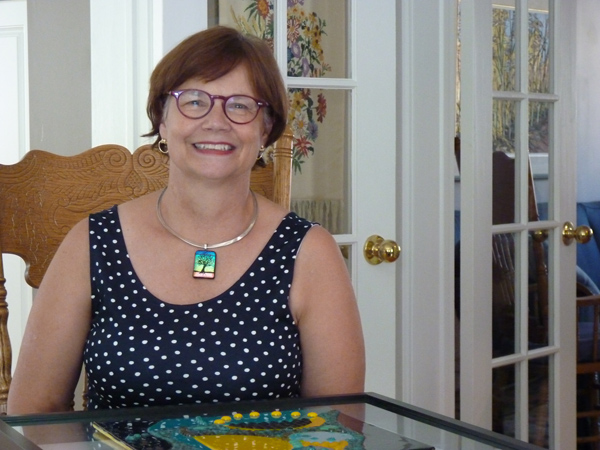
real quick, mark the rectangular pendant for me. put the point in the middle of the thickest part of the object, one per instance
(205, 264)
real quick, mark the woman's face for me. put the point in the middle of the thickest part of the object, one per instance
(213, 147)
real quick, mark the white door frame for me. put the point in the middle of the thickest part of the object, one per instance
(564, 173)
(476, 209)
(426, 164)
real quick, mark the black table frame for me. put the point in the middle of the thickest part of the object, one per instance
(11, 439)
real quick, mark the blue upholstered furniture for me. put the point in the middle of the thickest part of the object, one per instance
(588, 255)
(588, 365)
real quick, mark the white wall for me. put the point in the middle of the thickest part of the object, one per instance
(588, 100)
(59, 75)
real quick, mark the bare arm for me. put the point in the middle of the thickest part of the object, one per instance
(51, 354)
(324, 305)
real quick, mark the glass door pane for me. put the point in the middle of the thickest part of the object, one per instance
(539, 54)
(317, 38)
(539, 57)
(504, 56)
(321, 176)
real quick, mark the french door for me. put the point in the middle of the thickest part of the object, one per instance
(517, 103)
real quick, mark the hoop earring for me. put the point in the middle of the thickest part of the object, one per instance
(261, 153)
(162, 147)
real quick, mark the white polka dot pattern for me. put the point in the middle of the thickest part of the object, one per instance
(240, 345)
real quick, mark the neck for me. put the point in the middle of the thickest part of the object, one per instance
(207, 200)
(205, 221)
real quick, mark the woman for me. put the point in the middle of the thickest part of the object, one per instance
(274, 317)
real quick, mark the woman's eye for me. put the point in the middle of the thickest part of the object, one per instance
(239, 106)
(195, 104)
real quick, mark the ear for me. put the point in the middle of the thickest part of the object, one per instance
(162, 129)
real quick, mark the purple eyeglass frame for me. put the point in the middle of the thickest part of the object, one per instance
(176, 94)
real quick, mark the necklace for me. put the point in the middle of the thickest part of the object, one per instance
(205, 260)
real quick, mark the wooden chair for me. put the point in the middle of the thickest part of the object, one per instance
(588, 369)
(44, 195)
(503, 198)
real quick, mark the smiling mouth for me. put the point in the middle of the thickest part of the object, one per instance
(217, 147)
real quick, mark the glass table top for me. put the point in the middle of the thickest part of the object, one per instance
(355, 422)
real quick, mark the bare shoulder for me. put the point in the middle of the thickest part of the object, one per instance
(270, 209)
(80, 232)
(270, 216)
(144, 203)
(321, 275)
(70, 264)
(76, 239)
(319, 242)
(141, 210)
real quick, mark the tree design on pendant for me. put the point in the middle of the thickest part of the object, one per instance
(205, 263)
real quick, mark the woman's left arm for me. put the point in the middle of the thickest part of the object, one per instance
(324, 306)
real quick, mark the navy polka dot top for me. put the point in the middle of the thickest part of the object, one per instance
(240, 345)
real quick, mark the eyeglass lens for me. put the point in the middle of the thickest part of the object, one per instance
(195, 104)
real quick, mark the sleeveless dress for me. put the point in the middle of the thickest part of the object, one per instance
(241, 345)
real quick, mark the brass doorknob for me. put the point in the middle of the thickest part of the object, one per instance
(582, 234)
(378, 250)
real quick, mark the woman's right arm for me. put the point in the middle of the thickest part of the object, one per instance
(51, 355)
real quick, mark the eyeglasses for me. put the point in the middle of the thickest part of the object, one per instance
(195, 104)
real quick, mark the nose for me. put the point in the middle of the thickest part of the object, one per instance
(216, 116)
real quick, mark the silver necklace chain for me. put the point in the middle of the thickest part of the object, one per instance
(206, 246)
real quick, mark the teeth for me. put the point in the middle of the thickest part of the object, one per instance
(219, 147)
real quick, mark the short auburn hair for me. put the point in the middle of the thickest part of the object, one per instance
(209, 55)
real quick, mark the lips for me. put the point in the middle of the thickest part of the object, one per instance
(214, 147)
